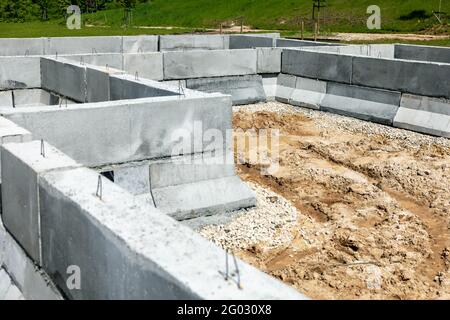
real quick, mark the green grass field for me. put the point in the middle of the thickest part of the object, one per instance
(282, 15)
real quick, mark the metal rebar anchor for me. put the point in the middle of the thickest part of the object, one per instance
(227, 274)
(99, 192)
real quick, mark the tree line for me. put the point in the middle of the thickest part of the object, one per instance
(29, 10)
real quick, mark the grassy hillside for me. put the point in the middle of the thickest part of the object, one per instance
(341, 15)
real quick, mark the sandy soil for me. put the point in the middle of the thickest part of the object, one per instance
(373, 208)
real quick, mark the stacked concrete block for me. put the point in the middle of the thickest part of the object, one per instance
(10, 132)
(204, 64)
(363, 103)
(22, 164)
(290, 43)
(243, 89)
(424, 114)
(422, 53)
(317, 65)
(123, 251)
(270, 86)
(415, 77)
(20, 72)
(107, 60)
(133, 130)
(300, 91)
(251, 41)
(31, 280)
(22, 47)
(139, 44)
(147, 65)
(193, 42)
(77, 45)
(128, 87)
(269, 60)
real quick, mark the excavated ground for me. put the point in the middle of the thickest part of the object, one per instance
(356, 211)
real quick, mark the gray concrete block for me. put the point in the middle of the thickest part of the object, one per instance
(140, 44)
(20, 72)
(22, 163)
(127, 87)
(131, 241)
(193, 42)
(428, 79)
(133, 130)
(243, 89)
(148, 65)
(291, 43)
(270, 86)
(250, 41)
(97, 85)
(188, 169)
(317, 65)
(423, 121)
(31, 280)
(10, 132)
(433, 105)
(422, 53)
(424, 114)
(204, 198)
(77, 45)
(21, 47)
(64, 77)
(269, 60)
(308, 93)
(133, 178)
(6, 99)
(110, 60)
(204, 64)
(285, 87)
(362, 103)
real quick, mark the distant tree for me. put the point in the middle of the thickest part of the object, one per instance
(18, 11)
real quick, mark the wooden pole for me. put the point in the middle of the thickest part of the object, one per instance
(303, 29)
(315, 30)
(242, 25)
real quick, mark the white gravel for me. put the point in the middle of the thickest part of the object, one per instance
(271, 222)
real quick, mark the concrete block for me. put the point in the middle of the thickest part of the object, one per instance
(188, 169)
(64, 77)
(135, 178)
(204, 64)
(203, 198)
(6, 98)
(110, 60)
(285, 87)
(131, 241)
(31, 280)
(290, 43)
(317, 65)
(148, 65)
(424, 114)
(140, 44)
(133, 130)
(77, 45)
(10, 132)
(362, 103)
(269, 60)
(97, 85)
(270, 86)
(308, 93)
(422, 53)
(243, 89)
(127, 87)
(428, 79)
(250, 41)
(20, 72)
(21, 47)
(22, 163)
(193, 42)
